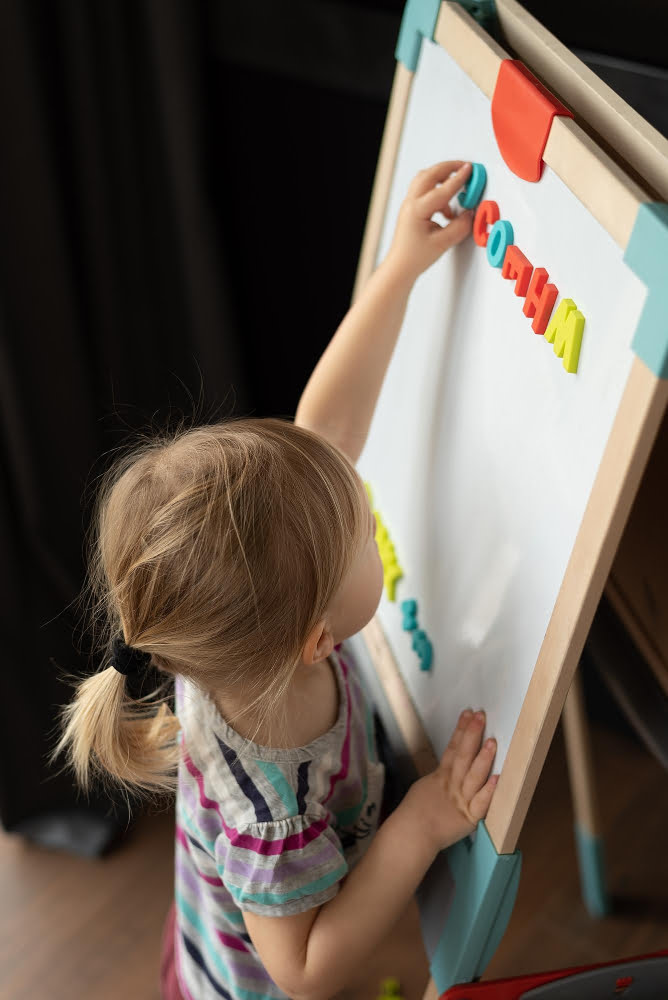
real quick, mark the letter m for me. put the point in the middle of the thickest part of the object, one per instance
(565, 332)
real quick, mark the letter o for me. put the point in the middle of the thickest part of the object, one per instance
(501, 236)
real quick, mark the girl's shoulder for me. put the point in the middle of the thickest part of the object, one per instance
(205, 728)
(261, 784)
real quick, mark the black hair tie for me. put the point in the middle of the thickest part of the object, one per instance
(140, 676)
(128, 660)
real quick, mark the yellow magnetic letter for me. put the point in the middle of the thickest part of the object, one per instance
(565, 332)
(393, 572)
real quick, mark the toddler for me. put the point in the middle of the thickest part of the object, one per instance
(233, 559)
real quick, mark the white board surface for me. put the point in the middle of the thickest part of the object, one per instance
(483, 449)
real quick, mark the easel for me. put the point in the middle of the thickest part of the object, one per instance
(487, 871)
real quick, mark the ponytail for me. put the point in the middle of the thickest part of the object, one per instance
(123, 729)
(216, 551)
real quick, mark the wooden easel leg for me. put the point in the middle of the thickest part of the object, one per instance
(589, 841)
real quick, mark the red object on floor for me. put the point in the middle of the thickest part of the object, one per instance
(169, 985)
(522, 113)
(520, 986)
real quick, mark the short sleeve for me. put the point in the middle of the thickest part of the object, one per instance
(281, 867)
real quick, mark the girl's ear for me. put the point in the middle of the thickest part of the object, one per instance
(319, 644)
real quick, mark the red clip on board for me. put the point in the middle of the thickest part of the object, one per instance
(522, 113)
(645, 977)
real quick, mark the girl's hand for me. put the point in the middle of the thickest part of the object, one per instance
(449, 802)
(418, 241)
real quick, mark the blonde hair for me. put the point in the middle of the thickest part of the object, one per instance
(216, 550)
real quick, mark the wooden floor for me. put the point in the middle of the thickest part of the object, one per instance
(74, 929)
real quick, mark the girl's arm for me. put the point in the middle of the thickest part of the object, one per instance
(340, 396)
(313, 955)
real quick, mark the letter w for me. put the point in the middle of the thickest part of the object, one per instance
(565, 331)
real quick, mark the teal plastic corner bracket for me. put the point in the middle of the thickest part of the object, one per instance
(647, 255)
(419, 21)
(591, 861)
(486, 886)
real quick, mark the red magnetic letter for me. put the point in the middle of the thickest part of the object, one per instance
(487, 213)
(515, 265)
(540, 300)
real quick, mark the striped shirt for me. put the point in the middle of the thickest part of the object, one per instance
(265, 830)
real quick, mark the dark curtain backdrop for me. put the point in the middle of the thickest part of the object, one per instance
(182, 198)
(183, 189)
(115, 311)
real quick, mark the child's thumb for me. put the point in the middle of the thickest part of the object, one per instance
(457, 230)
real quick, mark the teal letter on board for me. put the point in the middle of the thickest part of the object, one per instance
(500, 238)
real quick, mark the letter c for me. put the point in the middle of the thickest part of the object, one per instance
(486, 214)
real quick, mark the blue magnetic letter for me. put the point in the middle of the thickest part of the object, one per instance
(472, 193)
(501, 236)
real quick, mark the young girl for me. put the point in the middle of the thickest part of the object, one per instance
(235, 558)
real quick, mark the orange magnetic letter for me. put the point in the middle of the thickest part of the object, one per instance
(486, 214)
(515, 265)
(540, 300)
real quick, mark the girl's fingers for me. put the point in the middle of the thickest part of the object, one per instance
(478, 773)
(481, 800)
(436, 199)
(468, 747)
(427, 179)
(456, 231)
(456, 738)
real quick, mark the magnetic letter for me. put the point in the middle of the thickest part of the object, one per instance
(500, 237)
(487, 214)
(565, 332)
(393, 572)
(540, 300)
(409, 611)
(423, 648)
(515, 265)
(472, 193)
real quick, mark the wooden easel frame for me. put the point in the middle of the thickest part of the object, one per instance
(613, 198)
